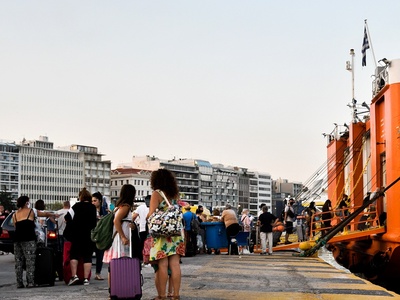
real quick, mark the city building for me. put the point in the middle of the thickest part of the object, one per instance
(36, 169)
(140, 179)
(264, 191)
(56, 175)
(281, 190)
(9, 164)
(97, 171)
(186, 173)
(225, 186)
(214, 186)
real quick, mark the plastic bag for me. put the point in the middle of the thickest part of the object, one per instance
(199, 241)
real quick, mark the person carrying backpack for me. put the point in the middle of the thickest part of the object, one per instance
(289, 219)
(190, 234)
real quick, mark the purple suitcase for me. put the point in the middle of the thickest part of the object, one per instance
(125, 277)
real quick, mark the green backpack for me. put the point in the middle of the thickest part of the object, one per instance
(102, 234)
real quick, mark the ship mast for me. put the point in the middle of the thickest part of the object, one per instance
(350, 67)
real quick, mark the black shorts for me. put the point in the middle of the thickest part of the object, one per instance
(82, 250)
(289, 227)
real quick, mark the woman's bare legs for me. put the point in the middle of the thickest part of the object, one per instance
(175, 268)
(162, 277)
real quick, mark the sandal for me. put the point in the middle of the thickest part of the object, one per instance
(98, 277)
(170, 295)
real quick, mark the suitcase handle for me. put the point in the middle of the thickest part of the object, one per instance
(129, 244)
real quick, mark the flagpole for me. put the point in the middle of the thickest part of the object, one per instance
(370, 44)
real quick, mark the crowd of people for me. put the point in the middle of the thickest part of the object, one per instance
(130, 231)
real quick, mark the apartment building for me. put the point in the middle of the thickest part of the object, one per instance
(56, 175)
(49, 174)
(264, 190)
(282, 189)
(9, 163)
(226, 186)
(186, 173)
(140, 179)
(96, 171)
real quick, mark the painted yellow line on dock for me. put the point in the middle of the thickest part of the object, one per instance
(280, 276)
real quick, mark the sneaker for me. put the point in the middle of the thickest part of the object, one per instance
(86, 282)
(73, 280)
(263, 253)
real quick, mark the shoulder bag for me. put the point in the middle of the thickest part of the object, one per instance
(165, 223)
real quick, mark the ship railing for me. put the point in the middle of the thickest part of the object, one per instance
(367, 219)
(381, 77)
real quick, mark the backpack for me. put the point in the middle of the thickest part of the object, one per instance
(102, 234)
(195, 224)
(290, 214)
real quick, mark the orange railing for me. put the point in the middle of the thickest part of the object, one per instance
(368, 219)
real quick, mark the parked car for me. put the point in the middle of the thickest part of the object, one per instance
(8, 229)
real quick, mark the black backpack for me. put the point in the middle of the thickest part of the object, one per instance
(195, 224)
(290, 214)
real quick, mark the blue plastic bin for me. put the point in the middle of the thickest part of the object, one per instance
(215, 235)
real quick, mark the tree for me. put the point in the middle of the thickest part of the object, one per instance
(6, 200)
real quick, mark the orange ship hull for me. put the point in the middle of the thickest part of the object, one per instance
(362, 159)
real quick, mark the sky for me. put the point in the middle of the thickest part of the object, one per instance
(252, 84)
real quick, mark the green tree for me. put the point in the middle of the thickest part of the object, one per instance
(6, 200)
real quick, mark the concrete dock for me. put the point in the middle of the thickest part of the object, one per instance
(252, 276)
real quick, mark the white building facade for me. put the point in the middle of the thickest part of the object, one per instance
(140, 179)
(57, 175)
(9, 162)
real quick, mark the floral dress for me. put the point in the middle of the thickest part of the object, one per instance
(112, 252)
(166, 246)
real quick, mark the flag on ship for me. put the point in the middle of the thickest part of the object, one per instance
(365, 46)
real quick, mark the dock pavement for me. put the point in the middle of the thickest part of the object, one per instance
(212, 277)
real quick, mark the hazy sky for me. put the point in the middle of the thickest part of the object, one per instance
(243, 83)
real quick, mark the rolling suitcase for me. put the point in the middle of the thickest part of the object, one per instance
(44, 265)
(125, 276)
(58, 257)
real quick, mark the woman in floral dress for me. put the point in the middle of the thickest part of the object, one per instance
(166, 251)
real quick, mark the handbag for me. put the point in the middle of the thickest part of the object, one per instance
(165, 223)
(146, 250)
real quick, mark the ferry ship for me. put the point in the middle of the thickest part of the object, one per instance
(364, 157)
